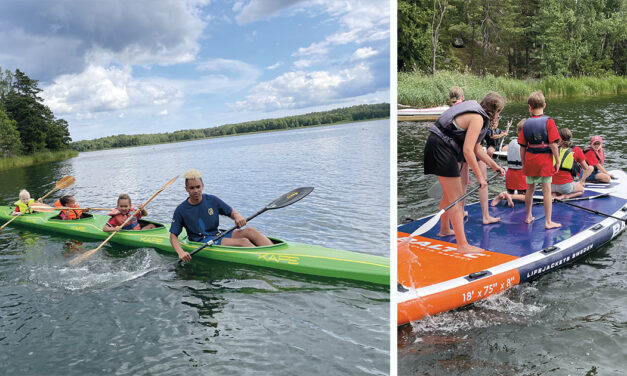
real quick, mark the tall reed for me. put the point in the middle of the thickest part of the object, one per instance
(420, 90)
(33, 159)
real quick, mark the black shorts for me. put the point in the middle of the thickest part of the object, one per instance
(440, 158)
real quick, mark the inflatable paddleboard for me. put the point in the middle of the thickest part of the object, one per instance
(433, 277)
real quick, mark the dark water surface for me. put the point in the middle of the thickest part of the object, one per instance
(209, 317)
(570, 322)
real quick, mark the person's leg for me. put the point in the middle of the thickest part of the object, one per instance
(483, 200)
(548, 206)
(149, 226)
(577, 190)
(254, 237)
(531, 187)
(452, 188)
(602, 177)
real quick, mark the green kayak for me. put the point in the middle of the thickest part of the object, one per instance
(293, 257)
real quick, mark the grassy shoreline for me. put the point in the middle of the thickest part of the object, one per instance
(37, 158)
(420, 90)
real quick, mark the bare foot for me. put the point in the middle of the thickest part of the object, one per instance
(510, 203)
(465, 213)
(446, 232)
(530, 219)
(490, 219)
(550, 224)
(468, 249)
(497, 200)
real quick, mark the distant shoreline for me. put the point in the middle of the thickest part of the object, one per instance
(315, 119)
(240, 134)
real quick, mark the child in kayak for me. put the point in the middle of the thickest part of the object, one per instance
(69, 214)
(123, 210)
(595, 157)
(492, 136)
(538, 144)
(24, 204)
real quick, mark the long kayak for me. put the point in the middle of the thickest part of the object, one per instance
(433, 277)
(293, 257)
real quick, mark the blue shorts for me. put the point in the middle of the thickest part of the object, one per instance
(593, 175)
(217, 242)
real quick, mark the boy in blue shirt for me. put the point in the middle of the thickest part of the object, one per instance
(199, 215)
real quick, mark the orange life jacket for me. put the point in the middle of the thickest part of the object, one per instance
(68, 214)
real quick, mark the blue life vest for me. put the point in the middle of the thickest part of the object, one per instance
(448, 132)
(536, 135)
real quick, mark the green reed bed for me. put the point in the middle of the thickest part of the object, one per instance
(420, 90)
(33, 159)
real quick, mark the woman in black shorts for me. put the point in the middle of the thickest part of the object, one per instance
(456, 137)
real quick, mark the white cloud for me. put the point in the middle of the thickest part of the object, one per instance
(307, 89)
(100, 89)
(360, 22)
(274, 66)
(66, 35)
(255, 10)
(303, 63)
(163, 113)
(363, 53)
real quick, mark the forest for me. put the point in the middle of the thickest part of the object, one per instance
(27, 126)
(513, 38)
(348, 114)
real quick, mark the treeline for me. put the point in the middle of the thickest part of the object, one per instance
(27, 126)
(522, 39)
(354, 113)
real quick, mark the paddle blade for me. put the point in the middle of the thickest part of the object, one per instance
(65, 182)
(427, 225)
(289, 198)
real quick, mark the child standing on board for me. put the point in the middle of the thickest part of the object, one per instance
(539, 154)
(595, 157)
(69, 214)
(23, 205)
(121, 213)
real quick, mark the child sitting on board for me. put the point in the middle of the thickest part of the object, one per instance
(515, 179)
(595, 157)
(24, 204)
(492, 137)
(69, 214)
(572, 161)
(539, 155)
(120, 214)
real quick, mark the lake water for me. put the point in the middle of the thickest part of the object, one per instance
(570, 322)
(209, 317)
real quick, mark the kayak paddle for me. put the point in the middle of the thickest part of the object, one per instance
(64, 182)
(40, 207)
(77, 260)
(436, 218)
(591, 210)
(285, 200)
(509, 123)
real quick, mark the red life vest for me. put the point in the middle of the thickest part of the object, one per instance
(600, 155)
(118, 218)
(68, 214)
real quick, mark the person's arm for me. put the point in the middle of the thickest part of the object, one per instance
(108, 228)
(556, 157)
(183, 255)
(237, 217)
(483, 156)
(587, 170)
(475, 124)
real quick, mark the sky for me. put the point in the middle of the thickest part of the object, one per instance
(151, 66)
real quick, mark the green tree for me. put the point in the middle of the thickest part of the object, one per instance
(10, 144)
